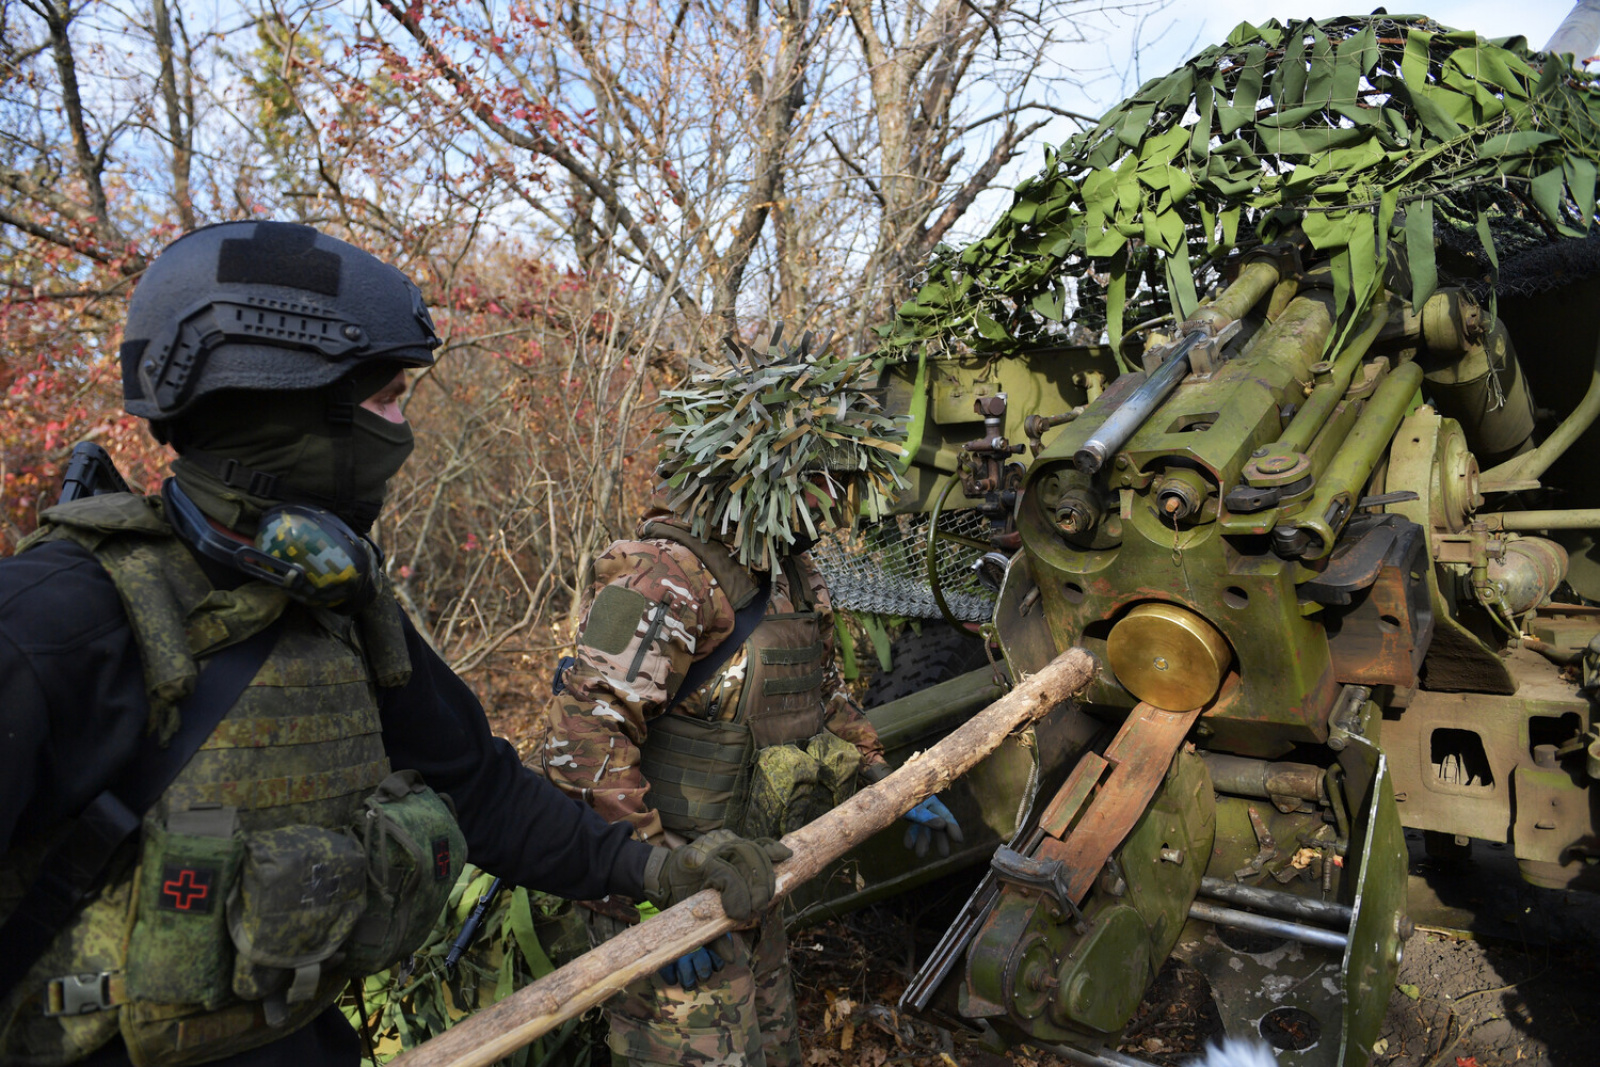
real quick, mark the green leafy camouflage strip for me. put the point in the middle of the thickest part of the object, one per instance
(593, 748)
(744, 442)
(743, 1015)
(1397, 117)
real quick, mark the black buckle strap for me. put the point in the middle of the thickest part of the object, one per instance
(236, 475)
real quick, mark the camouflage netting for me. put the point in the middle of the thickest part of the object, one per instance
(1475, 158)
(883, 569)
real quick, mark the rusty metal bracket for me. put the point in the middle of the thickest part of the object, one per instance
(1268, 848)
(1112, 792)
(1043, 876)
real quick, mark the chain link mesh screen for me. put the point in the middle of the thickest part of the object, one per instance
(884, 568)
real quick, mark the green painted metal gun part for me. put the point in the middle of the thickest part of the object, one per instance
(1340, 486)
(1325, 396)
(1576, 519)
(1533, 464)
(918, 412)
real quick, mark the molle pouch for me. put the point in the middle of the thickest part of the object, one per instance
(699, 772)
(179, 952)
(781, 791)
(414, 853)
(301, 890)
(837, 763)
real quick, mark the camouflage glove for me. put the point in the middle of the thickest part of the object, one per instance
(738, 869)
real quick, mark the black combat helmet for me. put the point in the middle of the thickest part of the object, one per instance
(265, 306)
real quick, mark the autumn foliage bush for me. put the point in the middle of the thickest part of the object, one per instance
(60, 385)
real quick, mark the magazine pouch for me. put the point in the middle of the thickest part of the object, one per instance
(414, 852)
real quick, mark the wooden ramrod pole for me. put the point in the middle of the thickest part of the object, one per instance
(601, 973)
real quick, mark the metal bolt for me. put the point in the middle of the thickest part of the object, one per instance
(1122, 461)
(351, 332)
(1172, 855)
(1258, 453)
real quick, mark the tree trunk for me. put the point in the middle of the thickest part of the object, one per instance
(603, 972)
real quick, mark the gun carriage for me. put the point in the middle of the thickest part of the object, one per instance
(1324, 515)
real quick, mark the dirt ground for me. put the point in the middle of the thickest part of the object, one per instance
(1498, 973)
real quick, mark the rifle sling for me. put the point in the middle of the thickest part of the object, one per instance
(745, 621)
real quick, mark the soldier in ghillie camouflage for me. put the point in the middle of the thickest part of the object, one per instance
(703, 696)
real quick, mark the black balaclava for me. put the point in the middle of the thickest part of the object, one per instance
(243, 452)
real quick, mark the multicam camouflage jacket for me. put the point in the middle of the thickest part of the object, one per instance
(622, 680)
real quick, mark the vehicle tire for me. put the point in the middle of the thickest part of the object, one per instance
(919, 660)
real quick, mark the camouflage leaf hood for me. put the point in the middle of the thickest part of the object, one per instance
(742, 442)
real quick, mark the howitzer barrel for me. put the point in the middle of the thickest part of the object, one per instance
(1255, 281)
(1127, 419)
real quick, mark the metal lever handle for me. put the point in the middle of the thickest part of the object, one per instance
(1046, 876)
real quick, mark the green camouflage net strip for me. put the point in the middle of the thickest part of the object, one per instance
(1371, 134)
(743, 442)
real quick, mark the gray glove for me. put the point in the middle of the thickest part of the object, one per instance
(740, 870)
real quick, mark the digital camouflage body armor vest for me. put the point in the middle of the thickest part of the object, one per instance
(283, 860)
(765, 764)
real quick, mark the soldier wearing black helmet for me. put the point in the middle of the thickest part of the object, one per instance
(233, 777)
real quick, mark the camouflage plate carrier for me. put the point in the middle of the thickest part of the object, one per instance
(284, 859)
(769, 766)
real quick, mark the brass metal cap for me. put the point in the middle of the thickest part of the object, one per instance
(1168, 656)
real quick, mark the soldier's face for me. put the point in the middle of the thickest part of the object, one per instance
(385, 403)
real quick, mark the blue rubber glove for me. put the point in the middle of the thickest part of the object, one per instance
(696, 966)
(931, 823)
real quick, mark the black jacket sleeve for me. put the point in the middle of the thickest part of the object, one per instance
(518, 826)
(72, 703)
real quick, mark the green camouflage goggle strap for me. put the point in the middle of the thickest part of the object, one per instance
(744, 443)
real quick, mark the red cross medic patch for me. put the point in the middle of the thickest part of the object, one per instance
(441, 859)
(187, 889)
